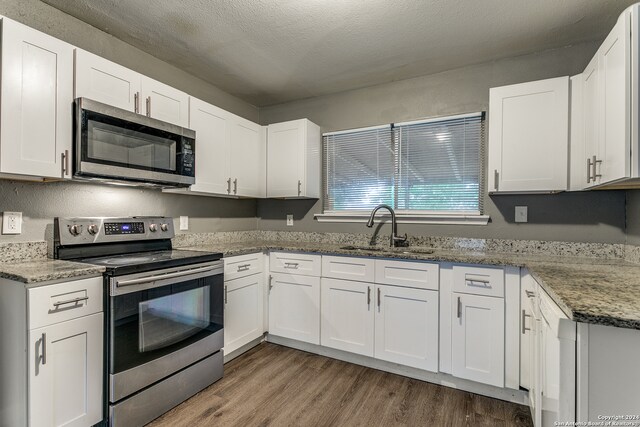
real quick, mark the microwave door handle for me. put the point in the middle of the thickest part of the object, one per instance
(155, 277)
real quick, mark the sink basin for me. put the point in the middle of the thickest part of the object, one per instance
(385, 249)
(363, 248)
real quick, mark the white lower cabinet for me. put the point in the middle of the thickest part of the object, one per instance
(65, 373)
(294, 307)
(477, 338)
(347, 316)
(243, 311)
(406, 326)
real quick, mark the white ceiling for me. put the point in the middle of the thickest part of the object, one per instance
(273, 51)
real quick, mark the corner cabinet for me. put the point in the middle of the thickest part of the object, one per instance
(104, 81)
(293, 159)
(529, 137)
(53, 354)
(36, 104)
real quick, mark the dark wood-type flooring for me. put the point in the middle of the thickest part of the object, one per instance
(273, 385)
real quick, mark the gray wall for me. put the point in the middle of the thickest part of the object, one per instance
(633, 217)
(40, 203)
(589, 217)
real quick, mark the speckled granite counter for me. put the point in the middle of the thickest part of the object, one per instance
(589, 290)
(44, 270)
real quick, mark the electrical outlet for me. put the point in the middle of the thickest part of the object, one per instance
(184, 223)
(290, 220)
(11, 222)
(521, 214)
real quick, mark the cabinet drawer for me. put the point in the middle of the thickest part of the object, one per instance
(64, 301)
(421, 275)
(476, 280)
(242, 266)
(348, 268)
(293, 263)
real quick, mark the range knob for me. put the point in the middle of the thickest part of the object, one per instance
(92, 229)
(164, 227)
(153, 228)
(75, 229)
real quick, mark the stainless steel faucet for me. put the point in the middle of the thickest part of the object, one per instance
(395, 239)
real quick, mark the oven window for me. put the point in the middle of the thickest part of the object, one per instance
(149, 324)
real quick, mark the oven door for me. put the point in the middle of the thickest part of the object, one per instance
(161, 322)
(112, 143)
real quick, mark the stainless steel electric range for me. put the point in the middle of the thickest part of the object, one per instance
(163, 312)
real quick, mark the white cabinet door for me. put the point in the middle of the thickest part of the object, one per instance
(294, 307)
(164, 102)
(247, 147)
(477, 338)
(36, 103)
(107, 82)
(285, 158)
(529, 136)
(577, 153)
(65, 373)
(406, 326)
(212, 147)
(614, 68)
(243, 310)
(590, 118)
(347, 316)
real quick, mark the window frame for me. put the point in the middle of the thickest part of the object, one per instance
(415, 216)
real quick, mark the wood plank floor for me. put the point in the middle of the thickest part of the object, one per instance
(273, 385)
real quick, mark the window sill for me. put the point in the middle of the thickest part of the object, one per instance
(443, 219)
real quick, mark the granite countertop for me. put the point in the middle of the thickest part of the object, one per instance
(45, 270)
(589, 290)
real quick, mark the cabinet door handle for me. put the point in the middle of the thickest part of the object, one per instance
(65, 163)
(530, 294)
(589, 170)
(524, 316)
(496, 179)
(225, 294)
(43, 356)
(148, 106)
(270, 282)
(368, 297)
(299, 187)
(136, 102)
(379, 299)
(235, 186)
(74, 301)
(229, 186)
(594, 164)
(459, 308)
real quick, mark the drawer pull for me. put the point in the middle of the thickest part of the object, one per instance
(524, 327)
(477, 281)
(291, 265)
(530, 294)
(243, 267)
(70, 301)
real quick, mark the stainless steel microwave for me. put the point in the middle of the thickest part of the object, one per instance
(116, 145)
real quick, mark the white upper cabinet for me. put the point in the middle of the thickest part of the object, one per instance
(293, 159)
(230, 153)
(36, 103)
(107, 82)
(529, 137)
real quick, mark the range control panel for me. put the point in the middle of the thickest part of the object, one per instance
(123, 228)
(82, 231)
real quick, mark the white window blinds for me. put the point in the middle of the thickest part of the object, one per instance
(429, 166)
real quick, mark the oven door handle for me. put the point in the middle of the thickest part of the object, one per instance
(156, 277)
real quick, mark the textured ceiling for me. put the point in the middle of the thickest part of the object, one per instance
(273, 51)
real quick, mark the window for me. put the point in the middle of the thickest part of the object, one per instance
(428, 168)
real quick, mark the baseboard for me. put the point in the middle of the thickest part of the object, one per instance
(447, 380)
(243, 349)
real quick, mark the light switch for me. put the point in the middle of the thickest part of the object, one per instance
(184, 223)
(521, 214)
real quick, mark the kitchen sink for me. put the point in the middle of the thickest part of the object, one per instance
(385, 249)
